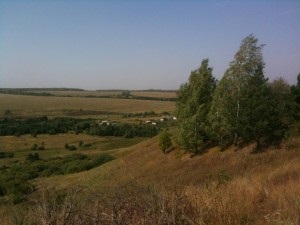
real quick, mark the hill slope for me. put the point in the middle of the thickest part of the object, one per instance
(230, 187)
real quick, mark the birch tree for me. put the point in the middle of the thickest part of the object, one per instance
(242, 107)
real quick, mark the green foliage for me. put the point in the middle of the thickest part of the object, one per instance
(6, 155)
(7, 112)
(283, 97)
(124, 129)
(41, 125)
(33, 157)
(18, 191)
(243, 107)
(126, 94)
(40, 148)
(295, 89)
(86, 145)
(165, 141)
(70, 147)
(142, 114)
(14, 180)
(35, 147)
(192, 107)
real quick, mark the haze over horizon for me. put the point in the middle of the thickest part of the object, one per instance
(139, 44)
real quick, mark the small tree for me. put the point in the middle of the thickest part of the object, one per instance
(33, 157)
(126, 94)
(7, 112)
(165, 141)
(34, 147)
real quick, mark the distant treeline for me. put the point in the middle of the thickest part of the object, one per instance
(38, 89)
(43, 125)
(132, 97)
(43, 92)
(35, 91)
(153, 98)
(22, 92)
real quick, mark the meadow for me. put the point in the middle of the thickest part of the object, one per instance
(140, 184)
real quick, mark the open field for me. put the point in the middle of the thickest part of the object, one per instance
(101, 93)
(21, 105)
(156, 94)
(80, 93)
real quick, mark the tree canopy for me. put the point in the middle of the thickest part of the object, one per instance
(243, 107)
(194, 100)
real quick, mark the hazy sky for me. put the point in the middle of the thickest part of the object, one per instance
(139, 44)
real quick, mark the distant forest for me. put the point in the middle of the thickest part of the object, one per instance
(124, 93)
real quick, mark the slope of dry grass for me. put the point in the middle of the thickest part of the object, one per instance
(230, 187)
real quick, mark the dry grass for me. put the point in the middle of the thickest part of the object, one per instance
(62, 106)
(231, 187)
(155, 94)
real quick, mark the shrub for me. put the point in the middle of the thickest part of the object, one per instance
(101, 159)
(6, 155)
(72, 148)
(2, 190)
(40, 148)
(87, 145)
(165, 141)
(34, 147)
(33, 157)
(18, 190)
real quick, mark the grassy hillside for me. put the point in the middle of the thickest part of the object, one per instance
(229, 187)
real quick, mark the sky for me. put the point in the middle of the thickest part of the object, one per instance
(135, 44)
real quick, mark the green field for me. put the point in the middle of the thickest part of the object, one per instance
(54, 145)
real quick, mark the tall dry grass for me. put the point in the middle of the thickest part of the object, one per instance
(242, 200)
(242, 188)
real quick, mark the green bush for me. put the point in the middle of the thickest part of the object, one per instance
(72, 148)
(2, 189)
(6, 155)
(18, 190)
(165, 141)
(34, 147)
(40, 148)
(87, 145)
(14, 179)
(33, 157)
